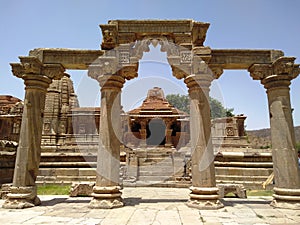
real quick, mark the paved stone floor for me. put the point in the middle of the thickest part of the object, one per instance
(155, 206)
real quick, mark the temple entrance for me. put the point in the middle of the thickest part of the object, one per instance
(123, 45)
(156, 132)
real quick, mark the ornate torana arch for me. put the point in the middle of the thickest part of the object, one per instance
(124, 42)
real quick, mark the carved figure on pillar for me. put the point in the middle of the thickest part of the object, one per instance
(37, 78)
(276, 78)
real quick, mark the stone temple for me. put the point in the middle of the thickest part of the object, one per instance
(52, 120)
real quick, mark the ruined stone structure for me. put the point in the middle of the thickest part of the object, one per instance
(124, 42)
(156, 123)
(70, 156)
(11, 109)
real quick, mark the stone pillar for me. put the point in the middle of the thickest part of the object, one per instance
(106, 193)
(204, 193)
(285, 160)
(143, 133)
(37, 77)
(285, 163)
(168, 134)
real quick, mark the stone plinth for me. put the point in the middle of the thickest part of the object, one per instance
(286, 198)
(21, 197)
(204, 198)
(106, 197)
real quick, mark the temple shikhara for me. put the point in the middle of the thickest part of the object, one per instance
(50, 139)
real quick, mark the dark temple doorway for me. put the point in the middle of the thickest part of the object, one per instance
(156, 132)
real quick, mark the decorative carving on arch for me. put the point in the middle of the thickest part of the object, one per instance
(166, 44)
(217, 71)
(127, 40)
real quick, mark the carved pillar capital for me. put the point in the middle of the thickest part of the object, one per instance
(199, 33)
(109, 33)
(196, 82)
(217, 71)
(260, 71)
(30, 65)
(105, 72)
(129, 71)
(53, 71)
(279, 73)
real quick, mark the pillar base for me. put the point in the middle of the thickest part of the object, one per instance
(204, 198)
(106, 198)
(286, 198)
(21, 197)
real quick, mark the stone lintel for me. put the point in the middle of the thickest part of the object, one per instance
(187, 32)
(242, 58)
(153, 26)
(69, 58)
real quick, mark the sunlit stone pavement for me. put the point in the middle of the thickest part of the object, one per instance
(155, 206)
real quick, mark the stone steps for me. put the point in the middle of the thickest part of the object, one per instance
(158, 166)
(63, 179)
(250, 185)
(226, 171)
(245, 164)
(155, 178)
(67, 172)
(241, 178)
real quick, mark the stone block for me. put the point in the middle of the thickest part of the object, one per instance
(237, 189)
(5, 189)
(81, 189)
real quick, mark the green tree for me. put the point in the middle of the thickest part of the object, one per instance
(182, 103)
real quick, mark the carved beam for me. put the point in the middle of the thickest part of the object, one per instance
(69, 58)
(242, 58)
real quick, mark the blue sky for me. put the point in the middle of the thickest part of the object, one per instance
(255, 24)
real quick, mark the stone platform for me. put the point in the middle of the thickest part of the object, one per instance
(151, 206)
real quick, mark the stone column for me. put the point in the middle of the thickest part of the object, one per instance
(143, 133)
(37, 77)
(106, 193)
(285, 160)
(204, 193)
(168, 134)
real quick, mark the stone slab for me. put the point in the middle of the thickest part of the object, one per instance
(150, 206)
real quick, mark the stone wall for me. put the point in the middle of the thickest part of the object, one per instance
(7, 160)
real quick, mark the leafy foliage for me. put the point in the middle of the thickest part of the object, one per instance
(182, 103)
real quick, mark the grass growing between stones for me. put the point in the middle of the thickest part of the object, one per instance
(255, 193)
(53, 190)
(64, 190)
(259, 192)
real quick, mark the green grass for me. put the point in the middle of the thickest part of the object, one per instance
(254, 193)
(64, 190)
(259, 192)
(53, 190)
